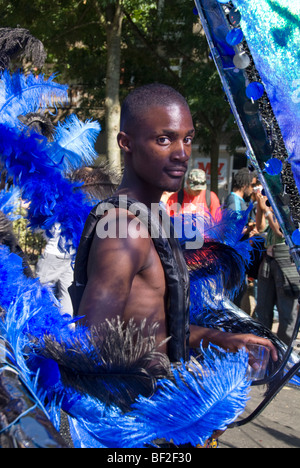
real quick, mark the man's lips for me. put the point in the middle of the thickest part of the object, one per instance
(176, 171)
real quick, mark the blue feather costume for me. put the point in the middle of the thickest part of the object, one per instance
(73, 369)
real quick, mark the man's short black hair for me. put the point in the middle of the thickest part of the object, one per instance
(243, 178)
(140, 99)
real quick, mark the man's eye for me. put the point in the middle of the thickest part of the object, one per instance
(189, 140)
(163, 141)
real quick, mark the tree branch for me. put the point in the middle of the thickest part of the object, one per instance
(149, 45)
(75, 28)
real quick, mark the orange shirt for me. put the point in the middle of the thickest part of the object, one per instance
(192, 204)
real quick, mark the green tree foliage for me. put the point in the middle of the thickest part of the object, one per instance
(31, 243)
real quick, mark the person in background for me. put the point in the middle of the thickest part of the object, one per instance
(248, 302)
(54, 267)
(278, 279)
(195, 197)
(238, 200)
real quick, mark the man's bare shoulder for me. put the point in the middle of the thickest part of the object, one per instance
(119, 224)
(120, 237)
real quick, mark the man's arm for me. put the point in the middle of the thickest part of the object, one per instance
(231, 342)
(113, 263)
(260, 214)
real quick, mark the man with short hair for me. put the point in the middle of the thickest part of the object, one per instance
(133, 275)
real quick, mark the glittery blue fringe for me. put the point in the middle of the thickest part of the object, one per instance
(272, 31)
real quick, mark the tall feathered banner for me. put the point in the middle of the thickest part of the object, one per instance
(261, 92)
(255, 47)
(272, 31)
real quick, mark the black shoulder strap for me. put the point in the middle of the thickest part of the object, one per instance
(180, 196)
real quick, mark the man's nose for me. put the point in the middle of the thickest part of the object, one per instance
(181, 152)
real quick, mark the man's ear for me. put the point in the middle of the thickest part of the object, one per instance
(124, 142)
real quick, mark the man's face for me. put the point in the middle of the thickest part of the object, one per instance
(161, 145)
(250, 188)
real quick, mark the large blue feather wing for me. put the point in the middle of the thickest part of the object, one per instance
(199, 399)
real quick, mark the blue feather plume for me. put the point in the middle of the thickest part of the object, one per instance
(37, 165)
(226, 228)
(53, 197)
(23, 155)
(54, 200)
(218, 267)
(20, 95)
(205, 397)
(74, 143)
